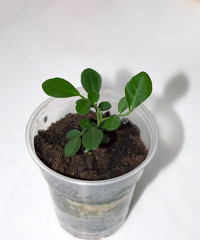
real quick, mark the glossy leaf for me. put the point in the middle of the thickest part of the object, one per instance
(122, 105)
(93, 96)
(111, 124)
(92, 138)
(60, 88)
(91, 80)
(79, 100)
(105, 106)
(83, 106)
(72, 146)
(85, 124)
(138, 89)
(73, 133)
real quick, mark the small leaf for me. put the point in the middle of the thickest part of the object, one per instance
(105, 106)
(138, 89)
(92, 138)
(60, 88)
(72, 146)
(122, 105)
(91, 80)
(85, 123)
(111, 124)
(83, 106)
(73, 133)
(93, 96)
(105, 139)
(78, 100)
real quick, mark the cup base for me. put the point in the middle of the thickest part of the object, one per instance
(92, 236)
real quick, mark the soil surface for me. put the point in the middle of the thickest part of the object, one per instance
(123, 153)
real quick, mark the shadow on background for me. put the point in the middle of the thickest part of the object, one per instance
(171, 133)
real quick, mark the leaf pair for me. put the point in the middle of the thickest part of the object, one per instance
(90, 137)
(61, 88)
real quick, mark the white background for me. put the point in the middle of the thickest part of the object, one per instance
(41, 39)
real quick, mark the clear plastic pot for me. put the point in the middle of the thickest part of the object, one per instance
(90, 209)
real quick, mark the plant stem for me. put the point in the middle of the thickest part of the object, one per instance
(98, 112)
(83, 97)
(123, 115)
(99, 115)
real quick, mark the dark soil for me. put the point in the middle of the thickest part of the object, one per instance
(123, 153)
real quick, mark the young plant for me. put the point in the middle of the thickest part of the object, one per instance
(137, 90)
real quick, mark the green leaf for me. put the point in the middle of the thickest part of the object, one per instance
(73, 133)
(92, 138)
(83, 106)
(122, 105)
(105, 106)
(93, 96)
(91, 80)
(78, 100)
(138, 89)
(60, 88)
(72, 146)
(105, 139)
(111, 124)
(85, 124)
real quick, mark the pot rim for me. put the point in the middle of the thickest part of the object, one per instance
(44, 167)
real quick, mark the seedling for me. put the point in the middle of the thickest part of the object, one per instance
(137, 90)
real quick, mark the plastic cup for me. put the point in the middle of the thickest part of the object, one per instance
(91, 209)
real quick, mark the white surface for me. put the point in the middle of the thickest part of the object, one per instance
(45, 38)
